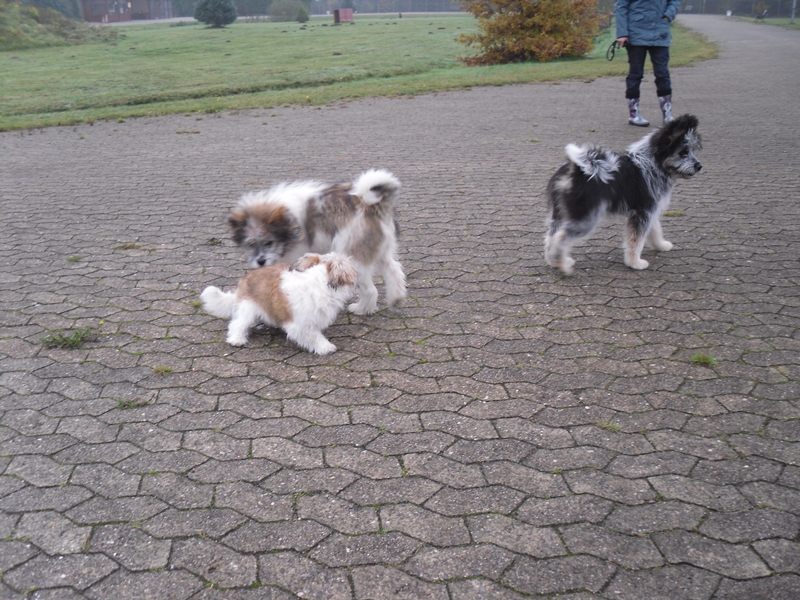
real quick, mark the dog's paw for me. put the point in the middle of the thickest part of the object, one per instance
(357, 309)
(325, 348)
(664, 246)
(237, 341)
(639, 264)
(567, 265)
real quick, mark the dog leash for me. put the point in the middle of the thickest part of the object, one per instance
(612, 49)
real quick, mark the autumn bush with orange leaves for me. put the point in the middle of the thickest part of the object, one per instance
(523, 30)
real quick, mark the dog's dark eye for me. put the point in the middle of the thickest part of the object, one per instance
(269, 244)
(684, 153)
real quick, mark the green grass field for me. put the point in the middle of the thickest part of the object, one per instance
(162, 69)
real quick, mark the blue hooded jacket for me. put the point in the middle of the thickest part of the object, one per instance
(643, 23)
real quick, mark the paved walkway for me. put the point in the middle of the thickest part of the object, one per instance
(506, 433)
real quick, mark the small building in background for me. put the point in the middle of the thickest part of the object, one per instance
(343, 15)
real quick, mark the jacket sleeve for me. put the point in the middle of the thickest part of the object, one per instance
(621, 17)
(672, 9)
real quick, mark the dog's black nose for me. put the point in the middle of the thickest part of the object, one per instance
(697, 166)
(261, 262)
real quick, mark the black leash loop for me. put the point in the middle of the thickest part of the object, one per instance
(612, 49)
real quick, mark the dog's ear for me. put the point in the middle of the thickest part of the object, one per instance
(341, 272)
(237, 220)
(678, 128)
(306, 262)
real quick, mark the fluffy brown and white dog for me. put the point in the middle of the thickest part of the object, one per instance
(357, 219)
(636, 184)
(302, 299)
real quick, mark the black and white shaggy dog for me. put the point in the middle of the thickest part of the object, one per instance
(637, 184)
(355, 219)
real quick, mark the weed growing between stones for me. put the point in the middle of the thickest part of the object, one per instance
(706, 360)
(73, 340)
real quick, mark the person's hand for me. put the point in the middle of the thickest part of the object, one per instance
(622, 41)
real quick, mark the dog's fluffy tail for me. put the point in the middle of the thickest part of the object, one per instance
(376, 185)
(218, 303)
(593, 162)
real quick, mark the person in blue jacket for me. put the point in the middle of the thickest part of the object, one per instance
(643, 26)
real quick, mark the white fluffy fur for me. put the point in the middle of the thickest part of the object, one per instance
(362, 187)
(325, 223)
(312, 294)
(593, 162)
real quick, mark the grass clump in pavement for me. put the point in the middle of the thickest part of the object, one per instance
(70, 341)
(156, 69)
(703, 359)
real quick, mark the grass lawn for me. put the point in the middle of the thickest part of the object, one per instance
(163, 68)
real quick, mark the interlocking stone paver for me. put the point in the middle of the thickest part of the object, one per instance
(339, 515)
(382, 583)
(208, 522)
(283, 535)
(619, 489)
(559, 575)
(39, 470)
(504, 432)
(74, 570)
(750, 525)
(302, 576)
(570, 509)
(342, 550)
(443, 470)
(536, 483)
(494, 498)
(516, 536)
(723, 472)
(628, 551)
(131, 547)
(782, 556)
(214, 563)
(364, 462)
(736, 562)
(389, 491)
(52, 533)
(716, 497)
(435, 564)
(287, 453)
(660, 516)
(253, 501)
(780, 587)
(15, 553)
(679, 581)
(168, 585)
(481, 589)
(288, 481)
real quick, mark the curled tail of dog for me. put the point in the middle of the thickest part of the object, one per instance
(593, 162)
(218, 303)
(376, 185)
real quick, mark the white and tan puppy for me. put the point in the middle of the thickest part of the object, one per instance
(357, 219)
(302, 299)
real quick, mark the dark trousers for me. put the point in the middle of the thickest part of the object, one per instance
(659, 56)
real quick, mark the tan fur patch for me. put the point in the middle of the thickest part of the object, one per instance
(263, 286)
(268, 213)
(340, 272)
(306, 262)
